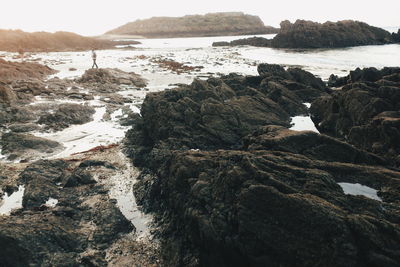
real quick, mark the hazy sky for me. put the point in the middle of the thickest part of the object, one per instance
(92, 17)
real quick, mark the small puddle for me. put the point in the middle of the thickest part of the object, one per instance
(303, 123)
(51, 202)
(122, 190)
(359, 190)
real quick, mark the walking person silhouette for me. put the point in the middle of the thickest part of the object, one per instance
(94, 57)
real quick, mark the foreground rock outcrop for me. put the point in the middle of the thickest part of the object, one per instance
(308, 34)
(67, 217)
(365, 112)
(232, 186)
(212, 24)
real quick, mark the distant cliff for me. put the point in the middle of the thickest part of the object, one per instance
(308, 34)
(17, 40)
(212, 24)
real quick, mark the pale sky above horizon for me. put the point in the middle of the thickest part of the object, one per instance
(91, 17)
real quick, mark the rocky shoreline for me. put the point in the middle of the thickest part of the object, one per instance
(227, 180)
(231, 185)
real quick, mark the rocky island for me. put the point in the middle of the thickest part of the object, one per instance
(212, 24)
(308, 34)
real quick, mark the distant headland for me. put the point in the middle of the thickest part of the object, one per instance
(211, 24)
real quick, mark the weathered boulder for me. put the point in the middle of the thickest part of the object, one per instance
(112, 76)
(66, 115)
(26, 145)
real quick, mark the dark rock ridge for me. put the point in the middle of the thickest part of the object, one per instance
(308, 34)
(19, 41)
(232, 186)
(218, 113)
(212, 24)
(252, 41)
(365, 112)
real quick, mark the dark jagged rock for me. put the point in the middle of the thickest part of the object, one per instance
(260, 195)
(365, 112)
(66, 115)
(80, 178)
(212, 24)
(218, 113)
(396, 36)
(252, 41)
(308, 34)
